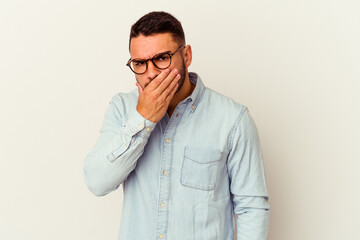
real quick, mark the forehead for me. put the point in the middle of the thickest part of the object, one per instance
(147, 46)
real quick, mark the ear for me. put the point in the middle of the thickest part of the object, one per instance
(187, 56)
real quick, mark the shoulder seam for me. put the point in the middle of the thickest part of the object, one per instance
(236, 126)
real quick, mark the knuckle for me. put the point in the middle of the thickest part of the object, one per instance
(160, 99)
(153, 97)
(158, 79)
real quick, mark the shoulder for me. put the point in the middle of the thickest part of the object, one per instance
(122, 104)
(219, 110)
(125, 98)
(222, 103)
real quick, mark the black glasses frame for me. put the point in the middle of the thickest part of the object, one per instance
(152, 60)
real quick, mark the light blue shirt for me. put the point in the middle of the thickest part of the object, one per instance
(184, 177)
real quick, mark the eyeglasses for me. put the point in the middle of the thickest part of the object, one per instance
(160, 60)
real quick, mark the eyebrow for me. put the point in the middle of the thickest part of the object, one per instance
(142, 59)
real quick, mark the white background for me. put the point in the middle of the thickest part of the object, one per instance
(295, 64)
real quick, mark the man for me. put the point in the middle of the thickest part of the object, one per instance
(187, 157)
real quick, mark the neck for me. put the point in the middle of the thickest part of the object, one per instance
(185, 91)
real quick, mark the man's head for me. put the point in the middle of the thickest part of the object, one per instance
(158, 22)
(154, 34)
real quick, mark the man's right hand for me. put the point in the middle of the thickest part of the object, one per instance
(154, 100)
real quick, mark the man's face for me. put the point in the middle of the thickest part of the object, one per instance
(145, 47)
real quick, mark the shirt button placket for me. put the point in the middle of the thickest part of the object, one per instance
(164, 186)
(165, 179)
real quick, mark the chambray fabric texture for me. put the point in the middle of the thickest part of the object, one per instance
(185, 176)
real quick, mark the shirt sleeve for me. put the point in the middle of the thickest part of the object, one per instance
(117, 150)
(247, 177)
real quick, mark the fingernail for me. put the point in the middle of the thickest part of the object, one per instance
(178, 76)
(167, 70)
(175, 71)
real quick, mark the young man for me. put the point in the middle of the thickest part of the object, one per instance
(187, 157)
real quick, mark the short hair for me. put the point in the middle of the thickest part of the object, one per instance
(158, 22)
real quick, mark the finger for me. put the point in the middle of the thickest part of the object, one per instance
(170, 87)
(140, 89)
(172, 93)
(167, 81)
(158, 80)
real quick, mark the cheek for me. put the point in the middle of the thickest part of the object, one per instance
(183, 68)
(180, 65)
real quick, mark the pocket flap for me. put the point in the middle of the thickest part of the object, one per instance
(202, 156)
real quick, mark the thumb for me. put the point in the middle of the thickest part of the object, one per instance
(140, 89)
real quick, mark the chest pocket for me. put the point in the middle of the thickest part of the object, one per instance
(200, 168)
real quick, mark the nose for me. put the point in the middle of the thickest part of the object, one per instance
(152, 71)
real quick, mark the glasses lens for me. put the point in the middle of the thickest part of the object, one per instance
(138, 66)
(162, 61)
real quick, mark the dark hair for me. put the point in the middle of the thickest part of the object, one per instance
(158, 22)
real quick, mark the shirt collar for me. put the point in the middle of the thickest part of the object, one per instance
(198, 92)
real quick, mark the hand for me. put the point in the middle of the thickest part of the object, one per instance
(154, 100)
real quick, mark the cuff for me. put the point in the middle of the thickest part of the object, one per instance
(137, 124)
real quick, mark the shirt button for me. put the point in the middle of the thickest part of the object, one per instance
(193, 106)
(166, 172)
(177, 114)
(148, 129)
(140, 126)
(162, 205)
(168, 140)
(161, 236)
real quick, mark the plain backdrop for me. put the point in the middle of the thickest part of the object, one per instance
(294, 63)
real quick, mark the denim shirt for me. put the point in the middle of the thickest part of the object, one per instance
(184, 177)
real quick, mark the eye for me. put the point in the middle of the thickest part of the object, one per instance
(138, 62)
(164, 57)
